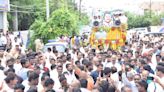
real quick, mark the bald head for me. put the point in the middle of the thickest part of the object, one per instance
(75, 84)
(83, 75)
(126, 89)
(145, 74)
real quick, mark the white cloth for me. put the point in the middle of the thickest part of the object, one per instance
(4, 40)
(129, 83)
(154, 87)
(117, 65)
(17, 67)
(54, 76)
(100, 35)
(84, 90)
(70, 77)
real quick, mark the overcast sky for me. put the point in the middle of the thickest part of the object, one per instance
(110, 3)
(128, 5)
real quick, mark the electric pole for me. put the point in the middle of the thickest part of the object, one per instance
(80, 9)
(150, 8)
(47, 10)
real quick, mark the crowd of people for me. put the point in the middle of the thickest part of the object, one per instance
(136, 67)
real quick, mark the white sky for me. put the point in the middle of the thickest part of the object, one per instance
(110, 3)
(113, 4)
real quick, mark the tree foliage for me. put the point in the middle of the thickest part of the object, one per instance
(64, 20)
(27, 10)
(145, 20)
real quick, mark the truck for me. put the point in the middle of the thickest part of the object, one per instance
(109, 30)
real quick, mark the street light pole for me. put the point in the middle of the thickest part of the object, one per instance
(150, 8)
(80, 9)
(47, 10)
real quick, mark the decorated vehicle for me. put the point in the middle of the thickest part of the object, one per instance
(110, 31)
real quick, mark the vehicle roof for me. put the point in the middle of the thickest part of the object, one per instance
(57, 43)
(154, 33)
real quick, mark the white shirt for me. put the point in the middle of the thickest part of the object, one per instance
(17, 67)
(115, 78)
(54, 76)
(70, 77)
(117, 65)
(129, 83)
(84, 90)
(6, 88)
(4, 40)
(154, 87)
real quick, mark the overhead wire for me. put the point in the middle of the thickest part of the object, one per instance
(24, 9)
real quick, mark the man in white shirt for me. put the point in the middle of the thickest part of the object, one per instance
(113, 63)
(69, 74)
(54, 74)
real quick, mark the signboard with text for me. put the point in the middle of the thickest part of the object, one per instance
(4, 5)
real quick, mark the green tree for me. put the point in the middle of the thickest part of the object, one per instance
(135, 21)
(27, 10)
(61, 22)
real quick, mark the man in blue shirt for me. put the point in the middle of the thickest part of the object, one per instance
(97, 73)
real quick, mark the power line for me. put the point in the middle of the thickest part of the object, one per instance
(23, 7)
(21, 11)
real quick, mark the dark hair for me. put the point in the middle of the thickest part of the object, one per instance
(160, 68)
(33, 76)
(148, 68)
(67, 65)
(49, 49)
(76, 62)
(11, 70)
(68, 57)
(107, 70)
(51, 90)
(19, 86)
(53, 66)
(48, 82)
(162, 58)
(32, 90)
(111, 89)
(23, 61)
(76, 90)
(62, 78)
(10, 76)
(43, 77)
(100, 65)
(143, 84)
(83, 83)
(47, 73)
(85, 61)
(105, 86)
(20, 80)
(88, 64)
(113, 69)
(161, 63)
(10, 60)
(82, 67)
(143, 61)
